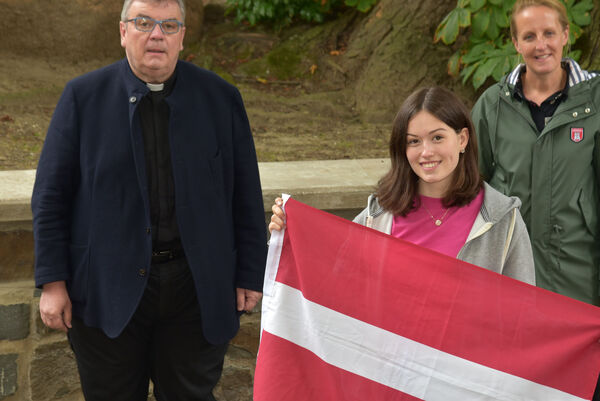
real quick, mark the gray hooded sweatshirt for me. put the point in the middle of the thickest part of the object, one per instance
(498, 240)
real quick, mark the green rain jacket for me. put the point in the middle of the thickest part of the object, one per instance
(555, 173)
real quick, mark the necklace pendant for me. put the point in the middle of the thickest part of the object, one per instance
(438, 222)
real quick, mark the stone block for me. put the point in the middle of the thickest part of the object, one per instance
(16, 255)
(237, 380)
(249, 335)
(53, 373)
(323, 184)
(235, 385)
(8, 375)
(15, 187)
(15, 321)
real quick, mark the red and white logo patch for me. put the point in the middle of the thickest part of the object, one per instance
(577, 134)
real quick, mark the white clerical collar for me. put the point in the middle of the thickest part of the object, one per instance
(155, 87)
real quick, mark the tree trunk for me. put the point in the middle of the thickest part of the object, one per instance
(393, 53)
(590, 41)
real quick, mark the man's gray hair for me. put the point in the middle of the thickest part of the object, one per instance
(127, 4)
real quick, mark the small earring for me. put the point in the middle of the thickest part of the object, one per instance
(462, 151)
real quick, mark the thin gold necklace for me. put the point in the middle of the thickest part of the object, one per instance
(437, 222)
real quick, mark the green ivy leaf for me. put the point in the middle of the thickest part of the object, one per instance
(507, 7)
(447, 31)
(467, 71)
(475, 5)
(501, 18)
(484, 71)
(515, 60)
(580, 13)
(365, 5)
(480, 23)
(493, 30)
(574, 33)
(454, 64)
(475, 40)
(575, 54)
(496, 2)
(464, 18)
(281, 13)
(582, 19)
(477, 53)
(260, 9)
(502, 68)
(586, 5)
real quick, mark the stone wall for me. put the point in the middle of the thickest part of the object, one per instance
(36, 364)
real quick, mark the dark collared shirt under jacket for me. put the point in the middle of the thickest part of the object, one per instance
(543, 113)
(154, 116)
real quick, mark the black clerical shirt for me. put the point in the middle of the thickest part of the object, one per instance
(154, 116)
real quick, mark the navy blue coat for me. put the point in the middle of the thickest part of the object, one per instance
(91, 207)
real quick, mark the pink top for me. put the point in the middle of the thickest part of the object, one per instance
(448, 238)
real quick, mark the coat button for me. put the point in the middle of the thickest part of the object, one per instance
(507, 93)
(142, 272)
(587, 110)
(148, 230)
(132, 99)
(574, 114)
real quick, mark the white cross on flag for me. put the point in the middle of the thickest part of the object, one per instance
(353, 314)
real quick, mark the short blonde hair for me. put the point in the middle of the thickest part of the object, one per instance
(555, 5)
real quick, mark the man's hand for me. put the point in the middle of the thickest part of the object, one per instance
(247, 299)
(55, 306)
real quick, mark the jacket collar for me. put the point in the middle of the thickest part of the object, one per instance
(562, 94)
(496, 205)
(576, 73)
(133, 85)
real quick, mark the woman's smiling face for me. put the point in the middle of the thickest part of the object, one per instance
(540, 39)
(433, 151)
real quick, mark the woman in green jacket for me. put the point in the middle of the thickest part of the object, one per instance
(539, 134)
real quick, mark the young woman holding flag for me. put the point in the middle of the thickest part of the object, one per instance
(433, 195)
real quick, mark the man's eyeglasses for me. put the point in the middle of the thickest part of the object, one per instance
(146, 24)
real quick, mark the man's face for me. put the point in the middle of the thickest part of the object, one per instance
(152, 55)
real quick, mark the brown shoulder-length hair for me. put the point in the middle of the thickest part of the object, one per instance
(398, 189)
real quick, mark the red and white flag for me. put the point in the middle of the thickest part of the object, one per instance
(353, 314)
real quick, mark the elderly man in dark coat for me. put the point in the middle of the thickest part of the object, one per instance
(148, 217)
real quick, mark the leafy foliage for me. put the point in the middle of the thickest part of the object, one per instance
(281, 13)
(488, 50)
